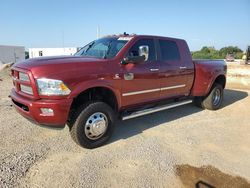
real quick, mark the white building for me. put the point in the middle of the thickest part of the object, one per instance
(11, 54)
(39, 52)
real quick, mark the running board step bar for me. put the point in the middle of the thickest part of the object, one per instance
(156, 109)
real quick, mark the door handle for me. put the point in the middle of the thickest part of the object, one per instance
(183, 67)
(154, 70)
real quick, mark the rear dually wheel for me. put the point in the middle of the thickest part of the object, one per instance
(213, 100)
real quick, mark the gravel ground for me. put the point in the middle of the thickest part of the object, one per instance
(175, 148)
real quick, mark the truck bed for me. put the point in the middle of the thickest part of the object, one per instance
(205, 72)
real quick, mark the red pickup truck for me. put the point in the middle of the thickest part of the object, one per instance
(118, 76)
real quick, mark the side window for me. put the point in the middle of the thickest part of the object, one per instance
(134, 50)
(169, 50)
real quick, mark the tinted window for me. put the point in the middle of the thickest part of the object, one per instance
(134, 51)
(169, 50)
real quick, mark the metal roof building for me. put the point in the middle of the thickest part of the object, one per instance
(40, 52)
(11, 54)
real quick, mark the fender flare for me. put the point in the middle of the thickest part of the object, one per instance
(211, 83)
(83, 86)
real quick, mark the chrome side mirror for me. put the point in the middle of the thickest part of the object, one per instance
(144, 51)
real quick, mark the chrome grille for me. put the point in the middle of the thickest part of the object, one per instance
(22, 82)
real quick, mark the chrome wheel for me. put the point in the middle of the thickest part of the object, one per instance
(96, 126)
(216, 97)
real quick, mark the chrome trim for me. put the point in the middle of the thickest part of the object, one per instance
(96, 126)
(173, 87)
(128, 76)
(154, 70)
(24, 77)
(14, 78)
(26, 89)
(183, 67)
(152, 90)
(140, 92)
(156, 109)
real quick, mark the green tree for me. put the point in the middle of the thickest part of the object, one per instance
(206, 53)
(237, 52)
(212, 53)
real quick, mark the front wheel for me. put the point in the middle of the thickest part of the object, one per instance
(94, 125)
(214, 99)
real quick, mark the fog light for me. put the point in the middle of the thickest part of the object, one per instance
(47, 111)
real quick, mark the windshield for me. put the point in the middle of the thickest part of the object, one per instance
(102, 48)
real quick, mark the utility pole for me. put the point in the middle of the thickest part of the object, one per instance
(98, 32)
(63, 41)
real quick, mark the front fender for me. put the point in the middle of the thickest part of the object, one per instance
(83, 86)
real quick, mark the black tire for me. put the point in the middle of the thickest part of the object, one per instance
(214, 99)
(197, 101)
(86, 111)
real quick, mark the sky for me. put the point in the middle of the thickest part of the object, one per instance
(73, 23)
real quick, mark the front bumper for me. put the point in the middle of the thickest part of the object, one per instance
(31, 109)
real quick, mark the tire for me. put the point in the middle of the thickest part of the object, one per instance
(214, 99)
(197, 101)
(93, 124)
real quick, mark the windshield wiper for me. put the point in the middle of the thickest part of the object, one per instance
(89, 46)
(108, 50)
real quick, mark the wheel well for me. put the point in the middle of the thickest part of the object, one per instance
(93, 94)
(221, 80)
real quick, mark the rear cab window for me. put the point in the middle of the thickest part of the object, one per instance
(169, 50)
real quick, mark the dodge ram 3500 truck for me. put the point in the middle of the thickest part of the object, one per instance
(118, 76)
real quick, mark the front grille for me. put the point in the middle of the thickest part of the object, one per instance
(20, 83)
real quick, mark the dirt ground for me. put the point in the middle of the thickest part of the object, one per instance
(180, 147)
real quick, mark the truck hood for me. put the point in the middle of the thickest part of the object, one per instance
(55, 61)
(61, 67)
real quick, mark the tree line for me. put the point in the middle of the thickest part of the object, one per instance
(212, 53)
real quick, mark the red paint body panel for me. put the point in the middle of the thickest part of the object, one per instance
(206, 71)
(61, 109)
(82, 73)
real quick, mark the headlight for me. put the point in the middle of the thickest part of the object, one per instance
(52, 87)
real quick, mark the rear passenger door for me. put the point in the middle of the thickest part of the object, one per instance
(172, 70)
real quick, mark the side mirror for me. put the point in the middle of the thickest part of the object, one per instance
(144, 51)
(133, 59)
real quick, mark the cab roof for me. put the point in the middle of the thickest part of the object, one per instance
(138, 36)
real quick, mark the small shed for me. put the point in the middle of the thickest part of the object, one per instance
(11, 54)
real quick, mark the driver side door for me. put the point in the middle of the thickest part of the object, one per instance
(140, 82)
